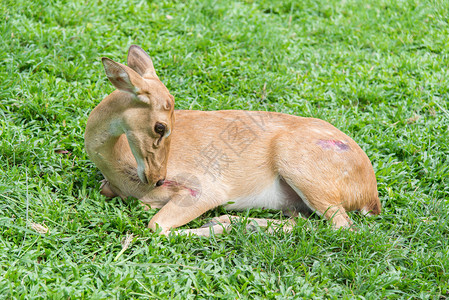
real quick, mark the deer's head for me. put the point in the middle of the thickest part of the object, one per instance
(148, 119)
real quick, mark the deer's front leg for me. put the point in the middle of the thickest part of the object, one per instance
(106, 189)
(182, 209)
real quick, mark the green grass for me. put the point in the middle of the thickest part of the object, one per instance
(376, 69)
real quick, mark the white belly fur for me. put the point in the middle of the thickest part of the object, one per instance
(272, 197)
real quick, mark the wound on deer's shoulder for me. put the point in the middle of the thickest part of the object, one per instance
(335, 145)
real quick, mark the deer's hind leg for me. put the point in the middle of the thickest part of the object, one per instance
(226, 221)
(321, 197)
(325, 203)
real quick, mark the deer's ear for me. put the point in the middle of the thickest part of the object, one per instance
(141, 62)
(123, 77)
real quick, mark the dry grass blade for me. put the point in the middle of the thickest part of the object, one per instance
(126, 241)
(42, 229)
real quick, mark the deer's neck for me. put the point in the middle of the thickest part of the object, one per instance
(104, 139)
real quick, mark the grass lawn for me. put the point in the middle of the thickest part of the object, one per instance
(376, 69)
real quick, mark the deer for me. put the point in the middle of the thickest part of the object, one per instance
(187, 162)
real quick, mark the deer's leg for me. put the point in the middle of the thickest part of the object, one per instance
(207, 229)
(106, 190)
(326, 204)
(222, 224)
(319, 194)
(271, 224)
(182, 209)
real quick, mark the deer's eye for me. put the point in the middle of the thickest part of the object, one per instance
(159, 129)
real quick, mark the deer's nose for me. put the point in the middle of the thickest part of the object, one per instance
(160, 182)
